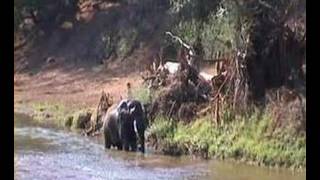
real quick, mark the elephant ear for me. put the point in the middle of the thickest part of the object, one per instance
(122, 105)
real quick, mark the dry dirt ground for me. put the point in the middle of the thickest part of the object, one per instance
(76, 87)
(79, 87)
(74, 78)
(70, 88)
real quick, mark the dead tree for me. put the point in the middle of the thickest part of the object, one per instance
(104, 103)
(189, 53)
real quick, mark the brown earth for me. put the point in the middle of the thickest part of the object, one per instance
(64, 65)
(78, 87)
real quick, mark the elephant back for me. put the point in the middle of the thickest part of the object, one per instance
(110, 113)
(113, 110)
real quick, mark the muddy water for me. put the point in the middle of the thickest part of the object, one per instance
(49, 153)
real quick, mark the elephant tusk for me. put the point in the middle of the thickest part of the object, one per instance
(135, 126)
(132, 110)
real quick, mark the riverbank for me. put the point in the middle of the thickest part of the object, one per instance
(244, 140)
(61, 154)
(249, 140)
(48, 114)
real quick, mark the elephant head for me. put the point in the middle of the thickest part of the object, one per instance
(126, 126)
(138, 116)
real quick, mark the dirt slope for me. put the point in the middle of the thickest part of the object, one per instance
(72, 66)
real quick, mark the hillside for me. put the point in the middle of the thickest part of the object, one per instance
(95, 52)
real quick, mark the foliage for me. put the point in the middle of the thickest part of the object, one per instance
(142, 94)
(55, 113)
(178, 5)
(21, 6)
(188, 30)
(192, 9)
(249, 139)
(17, 18)
(162, 128)
(220, 31)
(217, 29)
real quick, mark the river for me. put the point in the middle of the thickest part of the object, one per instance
(45, 153)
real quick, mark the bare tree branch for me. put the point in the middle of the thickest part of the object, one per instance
(187, 46)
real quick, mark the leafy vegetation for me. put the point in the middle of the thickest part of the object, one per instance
(243, 139)
(21, 6)
(57, 114)
(142, 94)
(44, 111)
(217, 33)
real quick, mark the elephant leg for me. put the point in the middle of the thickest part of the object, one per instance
(133, 146)
(126, 146)
(142, 145)
(119, 146)
(142, 148)
(107, 143)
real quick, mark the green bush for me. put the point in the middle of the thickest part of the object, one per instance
(142, 94)
(22, 5)
(243, 138)
(162, 128)
(217, 30)
(188, 30)
(126, 42)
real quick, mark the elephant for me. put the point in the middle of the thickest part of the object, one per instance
(123, 123)
(118, 128)
(139, 118)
